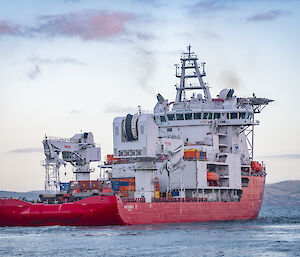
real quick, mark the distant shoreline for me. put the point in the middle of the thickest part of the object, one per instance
(283, 193)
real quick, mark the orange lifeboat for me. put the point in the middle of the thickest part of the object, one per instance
(212, 176)
(256, 166)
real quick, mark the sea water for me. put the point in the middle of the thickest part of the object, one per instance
(275, 233)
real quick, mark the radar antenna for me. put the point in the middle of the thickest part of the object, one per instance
(190, 70)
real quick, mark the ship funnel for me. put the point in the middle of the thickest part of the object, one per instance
(160, 98)
(230, 93)
(226, 94)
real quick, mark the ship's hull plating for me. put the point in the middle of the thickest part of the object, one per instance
(111, 210)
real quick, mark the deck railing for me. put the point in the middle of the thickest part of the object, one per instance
(164, 199)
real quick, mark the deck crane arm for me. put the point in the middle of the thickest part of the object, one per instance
(78, 150)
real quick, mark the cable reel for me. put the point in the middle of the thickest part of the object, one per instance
(130, 127)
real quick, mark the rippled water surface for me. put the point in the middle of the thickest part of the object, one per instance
(275, 233)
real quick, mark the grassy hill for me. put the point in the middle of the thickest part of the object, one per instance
(282, 193)
(31, 195)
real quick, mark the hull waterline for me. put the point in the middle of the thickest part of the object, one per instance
(112, 210)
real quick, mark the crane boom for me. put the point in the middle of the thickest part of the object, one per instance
(78, 150)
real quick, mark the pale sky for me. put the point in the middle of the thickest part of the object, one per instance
(74, 65)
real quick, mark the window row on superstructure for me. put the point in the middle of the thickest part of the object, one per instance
(203, 116)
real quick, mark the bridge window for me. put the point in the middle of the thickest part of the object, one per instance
(188, 116)
(233, 115)
(171, 117)
(197, 116)
(242, 115)
(207, 115)
(217, 115)
(249, 115)
(162, 118)
(179, 116)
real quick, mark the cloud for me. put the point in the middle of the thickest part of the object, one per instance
(211, 5)
(268, 16)
(75, 111)
(282, 156)
(38, 61)
(96, 25)
(71, 1)
(115, 108)
(68, 60)
(229, 79)
(7, 28)
(85, 24)
(35, 71)
(145, 36)
(211, 35)
(25, 150)
(153, 3)
(60, 60)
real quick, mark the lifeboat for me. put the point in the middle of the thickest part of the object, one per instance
(256, 166)
(212, 176)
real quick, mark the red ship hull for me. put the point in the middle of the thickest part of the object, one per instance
(111, 210)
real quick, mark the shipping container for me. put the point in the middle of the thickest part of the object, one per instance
(65, 187)
(175, 193)
(115, 186)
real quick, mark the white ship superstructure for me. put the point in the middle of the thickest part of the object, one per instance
(219, 130)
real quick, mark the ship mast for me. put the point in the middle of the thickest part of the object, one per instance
(189, 62)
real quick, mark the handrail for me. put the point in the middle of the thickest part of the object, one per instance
(164, 199)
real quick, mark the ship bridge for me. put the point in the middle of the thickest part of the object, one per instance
(221, 125)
